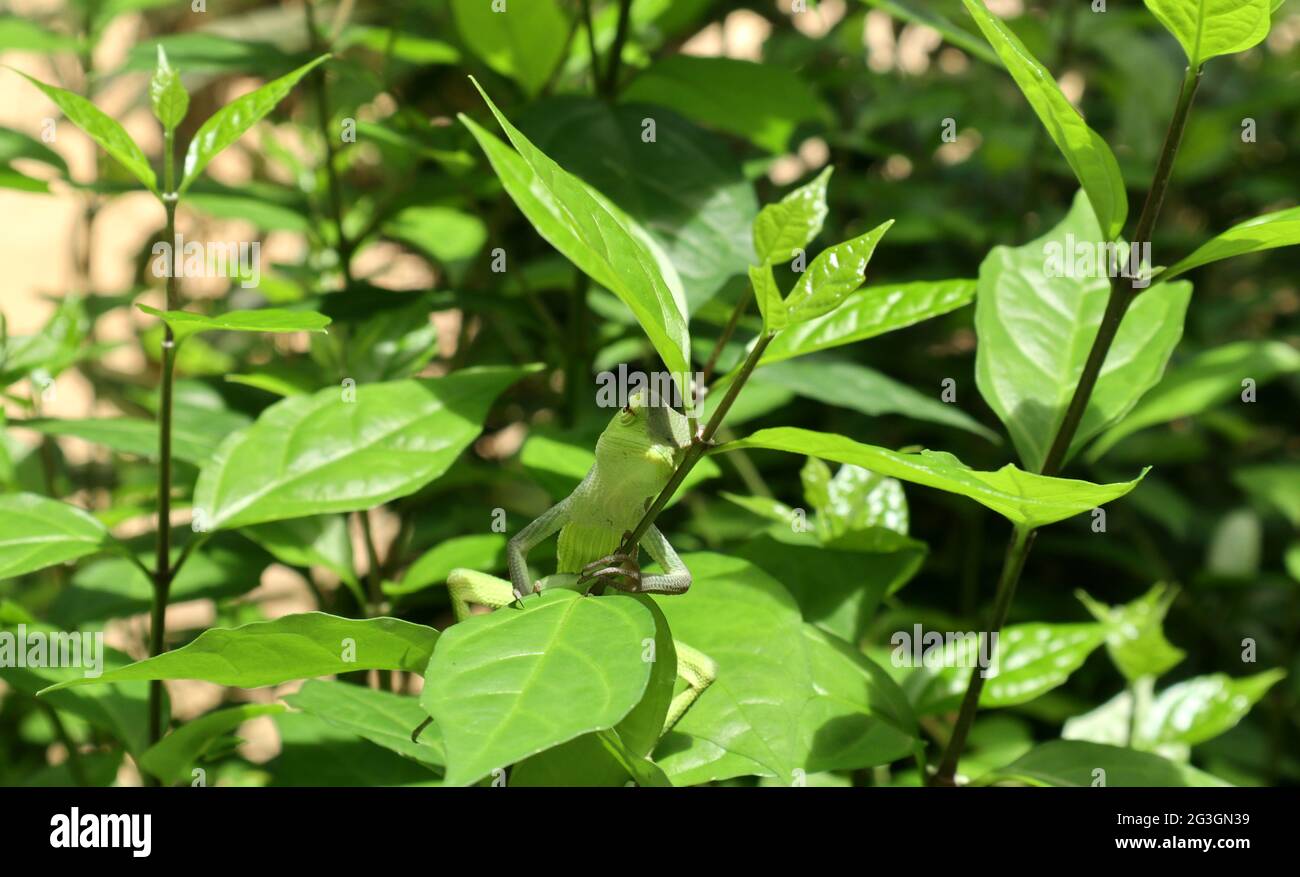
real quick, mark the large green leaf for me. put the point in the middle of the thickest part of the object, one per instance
(36, 532)
(381, 717)
(1204, 381)
(229, 123)
(513, 683)
(1135, 637)
(1279, 229)
(292, 647)
(593, 234)
(276, 320)
(171, 758)
(1029, 661)
(313, 454)
(871, 311)
(788, 697)
(1075, 763)
(523, 40)
(101, 128)
(685, 189)
(1085, 151)
(1021, 497)
(612, 756)
(763, 103)
(1207, 28)
(1036, 327)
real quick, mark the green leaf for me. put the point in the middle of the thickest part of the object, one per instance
(121, 711)
(613, 756)
(840, 584)
(788, 226)
(292, 647)
(958, 36)
(36, 532)
(1023, 498)
(1029, 661)
(306, 542)
(171, 758)
(1279, 229)
(513, 683)
(768, 296)
(685, 189)
(16, 144)
(381, 717)
(1135, 637)
(1085, 151)
(1207, 379)
(871, 311)
(1204, 707)
(1075, 763)
(316, 753)
(849, 385)
(167, 94)
(1277, 484)
(763, 103)
(277, 320)
(482, 551)
(128, 435)
(25, 35)
(852, 499)
(1036, 319)
(833, 275)
(229, 123)
(101, 128)
(1208, 28)
(116, 587)
(788, 697)
(591, 233)
(523, 40)
(1181, 716)
(325, 452)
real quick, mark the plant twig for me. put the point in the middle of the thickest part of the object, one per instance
(1121, 296)
(321, 89)
(162, 572)
(615, 60)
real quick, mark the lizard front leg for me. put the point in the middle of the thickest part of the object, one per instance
(546, 525)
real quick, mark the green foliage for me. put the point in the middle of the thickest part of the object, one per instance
(327, 482)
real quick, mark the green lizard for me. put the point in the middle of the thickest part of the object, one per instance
(635, 456)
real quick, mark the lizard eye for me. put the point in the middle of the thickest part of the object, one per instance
(627, 415)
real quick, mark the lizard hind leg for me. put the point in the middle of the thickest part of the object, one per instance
(699, 671)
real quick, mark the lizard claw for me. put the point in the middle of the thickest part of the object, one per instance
(615, 559)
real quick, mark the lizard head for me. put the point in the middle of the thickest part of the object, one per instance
(650, 436)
